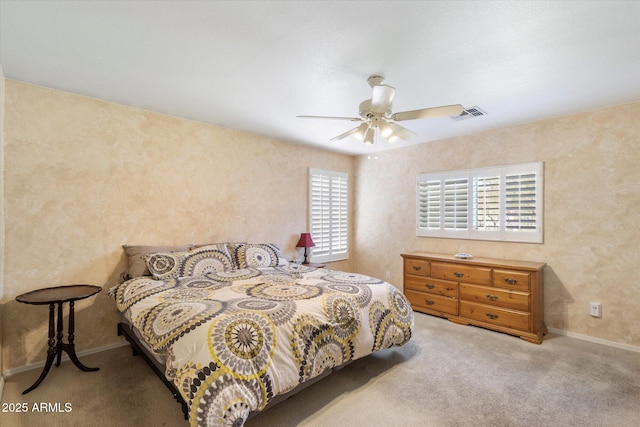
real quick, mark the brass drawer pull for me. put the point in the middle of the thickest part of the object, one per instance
(417, 268)
(492, 297)
(510, 281)
(430, 286)
(429, 302)
(492, 316)
(458, 274)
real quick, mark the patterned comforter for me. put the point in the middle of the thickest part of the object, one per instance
(233, 340)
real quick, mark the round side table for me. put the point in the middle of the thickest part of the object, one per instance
(52, 296)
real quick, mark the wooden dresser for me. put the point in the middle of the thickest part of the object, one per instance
(498, 294)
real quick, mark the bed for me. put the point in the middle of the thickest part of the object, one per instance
(233, 327)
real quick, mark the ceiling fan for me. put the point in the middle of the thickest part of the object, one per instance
(376, 113)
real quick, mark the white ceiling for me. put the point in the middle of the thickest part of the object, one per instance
(256, 65)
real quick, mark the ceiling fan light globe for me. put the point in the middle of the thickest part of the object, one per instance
(368, 138)
(385, 130)
(361, 132)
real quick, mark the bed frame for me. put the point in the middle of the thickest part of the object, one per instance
(139, 349)
(156, 366)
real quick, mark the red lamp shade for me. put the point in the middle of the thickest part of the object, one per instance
(305, 241)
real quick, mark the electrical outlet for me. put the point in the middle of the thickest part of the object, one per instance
(388, 275)
(595, 309)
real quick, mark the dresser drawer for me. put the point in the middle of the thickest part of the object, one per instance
(495, 316)
(461, 273)
(510, 279)
(430, 285)
(432, 302)
(494, 296)
(416, 266)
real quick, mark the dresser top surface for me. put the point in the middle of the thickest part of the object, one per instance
(491, 262)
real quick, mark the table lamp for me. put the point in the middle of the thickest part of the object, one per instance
(305, 242)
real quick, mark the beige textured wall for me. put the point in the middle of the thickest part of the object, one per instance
(84, 176)
(592, 206)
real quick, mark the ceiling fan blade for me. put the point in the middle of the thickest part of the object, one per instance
(344, 135)
(401, 132)
(426, 113)
(353, 119)
(382, 98)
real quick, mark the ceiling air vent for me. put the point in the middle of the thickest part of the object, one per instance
(469, 113)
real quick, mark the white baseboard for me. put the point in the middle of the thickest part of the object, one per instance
(595, 340)
(40, 365)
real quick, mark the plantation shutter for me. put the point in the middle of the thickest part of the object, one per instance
(328, 214)
(429, 204)
(456, 204)
(486, 199)
(320, 213)
(499, 203)
(520, 205)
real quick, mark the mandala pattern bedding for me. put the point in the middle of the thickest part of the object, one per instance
(235, 339)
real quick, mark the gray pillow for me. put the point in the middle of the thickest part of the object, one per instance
(138, 265)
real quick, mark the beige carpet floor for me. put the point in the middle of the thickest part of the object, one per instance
(447, 375)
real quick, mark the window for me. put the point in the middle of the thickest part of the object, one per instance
(501, 203)
(328, 214)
